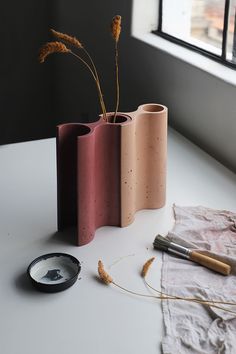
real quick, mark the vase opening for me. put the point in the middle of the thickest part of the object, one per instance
(83, 130)
(153, 108)
(120, 118)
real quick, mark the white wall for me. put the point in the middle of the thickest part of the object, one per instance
(201, 106)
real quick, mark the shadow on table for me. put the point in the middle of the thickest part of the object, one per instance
(65, 237)
(23, 284)
(96, 278)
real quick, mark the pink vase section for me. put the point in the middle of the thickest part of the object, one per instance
(108, 171)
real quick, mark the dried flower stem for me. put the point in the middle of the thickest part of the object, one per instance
(77, 44)
(211, 303)
(50, 48)
(169, 297)
(98, 84)
(117, 82)
(138, 294)
(96, 81)
(146, 267)
(53, 47)
(107, 279)
(194, 299)
(66, 38)
(104, 276)
(115, 31)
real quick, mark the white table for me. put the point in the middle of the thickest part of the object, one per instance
(89, 318)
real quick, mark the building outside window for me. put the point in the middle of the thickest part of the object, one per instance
(207, 25)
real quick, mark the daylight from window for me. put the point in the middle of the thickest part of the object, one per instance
(201, 23)
(231, 39)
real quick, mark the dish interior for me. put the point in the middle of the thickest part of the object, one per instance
(54, 270)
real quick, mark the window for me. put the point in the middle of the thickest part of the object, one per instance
(206, 26)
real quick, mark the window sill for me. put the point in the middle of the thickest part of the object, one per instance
(210, 66)
(144, 20)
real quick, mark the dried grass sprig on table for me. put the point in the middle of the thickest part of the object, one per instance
(146, 267)
(104, 276)
(115, 31)
(107, 279)
(210, 302)
(50, 48)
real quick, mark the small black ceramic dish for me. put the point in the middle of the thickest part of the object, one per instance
(54, 272)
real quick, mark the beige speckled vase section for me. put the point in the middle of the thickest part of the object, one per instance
(143, 162)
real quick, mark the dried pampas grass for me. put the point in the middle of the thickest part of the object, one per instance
(85, 58)
(68, 39)
(146, 267)
(115, 31)
(51, 47)
(107, 279)
(104, 276)
(116, 27)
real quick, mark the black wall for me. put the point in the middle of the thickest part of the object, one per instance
(35, 97)
(25, 86)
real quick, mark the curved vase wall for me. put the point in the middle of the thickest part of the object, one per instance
(106, 171)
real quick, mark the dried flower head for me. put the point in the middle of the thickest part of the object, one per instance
(104, 276)
(146, 267)
(68, 39)
(51, 47)
(116, 27)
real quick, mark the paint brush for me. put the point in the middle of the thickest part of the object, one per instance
(163, 244)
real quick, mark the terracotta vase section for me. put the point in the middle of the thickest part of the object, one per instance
(108, 171)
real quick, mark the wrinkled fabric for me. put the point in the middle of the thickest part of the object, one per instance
(190, 327)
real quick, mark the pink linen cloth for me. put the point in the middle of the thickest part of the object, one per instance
(195, 328)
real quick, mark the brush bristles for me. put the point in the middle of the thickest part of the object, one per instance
(161, 243)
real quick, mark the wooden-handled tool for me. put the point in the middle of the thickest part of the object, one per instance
(164, 244)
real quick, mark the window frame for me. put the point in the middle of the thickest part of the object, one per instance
(219, 58)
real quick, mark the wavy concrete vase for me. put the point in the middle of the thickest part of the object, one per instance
(108, 171)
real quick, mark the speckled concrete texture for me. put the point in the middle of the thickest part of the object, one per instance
(106, 171)
(143, 162)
